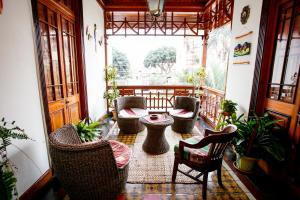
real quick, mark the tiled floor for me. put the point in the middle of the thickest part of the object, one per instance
(233, 188)
(180, 191)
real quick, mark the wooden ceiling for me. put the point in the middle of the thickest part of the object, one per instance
(179, 17)
(141, 5)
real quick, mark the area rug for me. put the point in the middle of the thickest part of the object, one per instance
(146, 168)
(154, 183)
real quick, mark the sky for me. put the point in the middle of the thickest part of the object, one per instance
(136, 48)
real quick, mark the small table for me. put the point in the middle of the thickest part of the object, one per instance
(155, 142)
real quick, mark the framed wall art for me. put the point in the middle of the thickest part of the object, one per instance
(242, 48)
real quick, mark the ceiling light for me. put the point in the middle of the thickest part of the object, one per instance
(156, 7)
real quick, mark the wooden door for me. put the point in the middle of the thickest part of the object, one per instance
(56, 21)
(279, 92)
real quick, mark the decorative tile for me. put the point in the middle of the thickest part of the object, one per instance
(156, 172)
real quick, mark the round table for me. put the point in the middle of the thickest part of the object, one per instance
(155, 142)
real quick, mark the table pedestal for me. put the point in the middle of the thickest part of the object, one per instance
(156, 142)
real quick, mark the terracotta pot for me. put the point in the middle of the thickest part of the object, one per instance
(245, 163)
(226, 113)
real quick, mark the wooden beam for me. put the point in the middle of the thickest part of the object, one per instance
(101, 3)
(143, 7)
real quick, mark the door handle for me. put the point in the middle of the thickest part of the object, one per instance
(67, 101)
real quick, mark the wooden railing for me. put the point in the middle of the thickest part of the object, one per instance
(210, 104)
(161, 98)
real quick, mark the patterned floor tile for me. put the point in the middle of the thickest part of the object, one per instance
(168, 191)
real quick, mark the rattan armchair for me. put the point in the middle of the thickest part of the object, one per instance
(203, 154)
(85, 170)
(130, 124)
(185, 124)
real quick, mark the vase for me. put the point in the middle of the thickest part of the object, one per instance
(245, 163)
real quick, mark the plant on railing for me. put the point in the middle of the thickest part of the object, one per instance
(112, 93)
(88, 130)
(227, 113)
(197, 79)
(8, 131)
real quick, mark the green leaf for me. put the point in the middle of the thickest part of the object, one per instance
(87, 129)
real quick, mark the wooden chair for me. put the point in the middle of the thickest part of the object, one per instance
(203, 154)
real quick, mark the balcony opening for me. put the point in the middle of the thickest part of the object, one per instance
(155, 60)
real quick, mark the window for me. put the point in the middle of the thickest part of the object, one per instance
(218, 48)
(286, 63)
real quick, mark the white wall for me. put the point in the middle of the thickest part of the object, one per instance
(240, 77)
(19, 91)
(94, 60)
(19, 85)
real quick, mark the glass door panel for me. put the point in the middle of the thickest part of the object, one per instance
(282, 86)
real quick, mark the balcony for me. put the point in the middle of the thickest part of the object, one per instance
(160, 98)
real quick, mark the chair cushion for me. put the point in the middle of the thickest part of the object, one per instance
(121, 152)
(194, 155)
(133, 113)
(181, 113)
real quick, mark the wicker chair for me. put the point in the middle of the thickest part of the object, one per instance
(203, 155)
(130, 124)
(86, 170)
(184, 124)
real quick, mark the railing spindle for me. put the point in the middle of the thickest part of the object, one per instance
(150, 101)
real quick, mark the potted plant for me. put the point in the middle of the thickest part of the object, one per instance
(88, 130)
(228, 109)
(255, 140)
(112, 93)
(8, 131)
(197, 79)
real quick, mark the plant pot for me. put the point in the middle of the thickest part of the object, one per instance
(114, 115)
(245, 164)
(225, 113)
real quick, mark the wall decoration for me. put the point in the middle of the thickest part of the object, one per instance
(100, 41)
(94, 33)
(245, 14)
(95, 36)
(242, 48)
(1, 6)
(98, 37)
(87, 32)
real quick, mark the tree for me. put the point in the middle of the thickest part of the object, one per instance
(120, 61)
(163, 58)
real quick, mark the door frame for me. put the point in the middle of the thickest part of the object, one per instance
(258, 87)
(80, 60)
